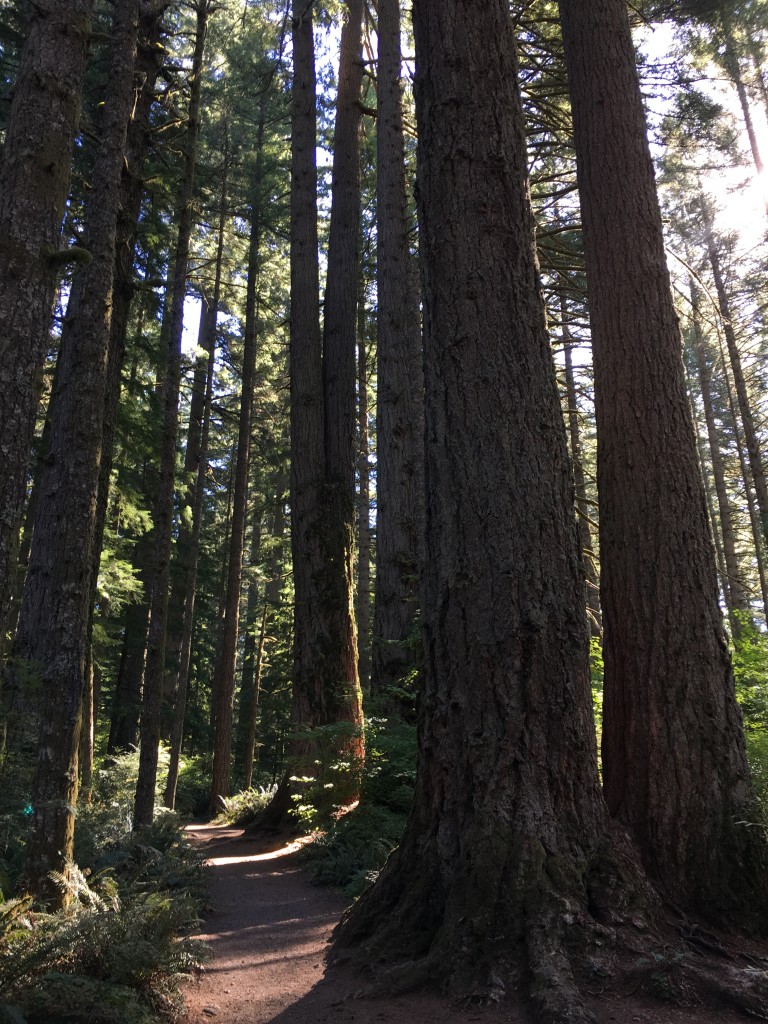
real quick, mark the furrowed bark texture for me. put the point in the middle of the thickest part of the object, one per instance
(34, 184)
(674, 762)
(400, 404)
(54, 624)
(307, 416)
(508, 819)
(163, 513)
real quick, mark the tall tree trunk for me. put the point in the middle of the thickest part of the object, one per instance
(253, 611)
(126, 705)
(582, 507)
(714, 526)
(227, 660)
(400, 409)
(507, 818)
(739, 603)
(253, 660)
(191, 552)
(341, 685)
(54, 625)
(733, 68)
(88, 732)
(253, 707)
(754, 514)
(674, 762)
(756, 462)
(181, 566)
(34, 185)
(149, 58)
(325, 685)
(363, 595)
(163, 513)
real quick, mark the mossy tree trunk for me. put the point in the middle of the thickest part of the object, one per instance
(54, 632)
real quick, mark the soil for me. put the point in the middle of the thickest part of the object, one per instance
(268, 931)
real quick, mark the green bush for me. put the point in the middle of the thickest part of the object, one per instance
(242, 807)
(351, 851)
(108, 961)
(193, 789)
(117, 952)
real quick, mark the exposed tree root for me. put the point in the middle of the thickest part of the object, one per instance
(545, 928)
(551, 938)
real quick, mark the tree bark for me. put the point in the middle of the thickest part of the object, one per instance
(253, 708)
(163, 513)
(123, 733)
(507, 820)
(34, 185)
(253, 612)
(54, 625)
(400, 404)
(674, 762)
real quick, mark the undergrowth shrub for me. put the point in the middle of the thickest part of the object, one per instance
(194, 786)
(242, 807)
(115, 955)
(351, 851)
(750, 669)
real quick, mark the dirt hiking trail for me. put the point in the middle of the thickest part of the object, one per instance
(268, 931)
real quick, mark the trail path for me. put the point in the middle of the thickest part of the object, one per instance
(268, 931)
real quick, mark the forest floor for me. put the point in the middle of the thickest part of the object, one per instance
(268, 929)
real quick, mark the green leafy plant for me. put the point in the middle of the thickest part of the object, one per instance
(119, 949)
(242, 807)
(350, 852)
